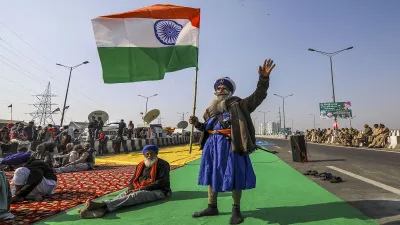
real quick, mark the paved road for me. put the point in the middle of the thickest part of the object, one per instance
(380, 201)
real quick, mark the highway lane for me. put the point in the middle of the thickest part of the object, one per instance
(372, 178)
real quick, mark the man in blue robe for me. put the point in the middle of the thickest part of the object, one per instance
(228, 138)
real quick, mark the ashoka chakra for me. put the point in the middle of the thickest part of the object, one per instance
(167, 31)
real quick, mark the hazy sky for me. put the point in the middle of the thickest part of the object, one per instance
(236, 36)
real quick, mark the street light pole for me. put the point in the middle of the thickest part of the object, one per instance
(264, 129)
(330, 55)
(69, 79)
(292, 123)
(314, 119)
(283, 106)
(183, 115)
(147, 100)
(350, 118)
(254, 120)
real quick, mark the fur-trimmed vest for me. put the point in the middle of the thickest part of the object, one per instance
(242, 129)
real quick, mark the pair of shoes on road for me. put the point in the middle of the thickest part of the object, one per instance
(324, 176)
(311, 173)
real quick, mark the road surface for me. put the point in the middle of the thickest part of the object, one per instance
(372, 178)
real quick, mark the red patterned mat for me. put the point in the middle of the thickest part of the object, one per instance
(73, 189)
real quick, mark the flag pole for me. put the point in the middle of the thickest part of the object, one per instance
(11, 111)
(194, 107)
(195, 95)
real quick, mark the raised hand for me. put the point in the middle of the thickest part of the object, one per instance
(265, 70)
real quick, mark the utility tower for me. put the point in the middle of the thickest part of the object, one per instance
(160, 120)
(44, 114)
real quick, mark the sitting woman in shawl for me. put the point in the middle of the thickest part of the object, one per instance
(150, 182)
(33, 179)
(85, 161)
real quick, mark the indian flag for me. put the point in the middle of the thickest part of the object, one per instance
(146, 43)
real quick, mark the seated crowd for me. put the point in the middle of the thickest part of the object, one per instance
(35, 177)
(372, 138)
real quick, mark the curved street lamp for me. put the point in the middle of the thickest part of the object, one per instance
(147, 100)
(69, 79)
(330, 55)
(283, 99)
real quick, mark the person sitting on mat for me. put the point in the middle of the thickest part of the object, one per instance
(150, 182)
(33, 179)
(44, 152)
(84, 163)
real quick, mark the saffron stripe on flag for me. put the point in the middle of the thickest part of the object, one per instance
(161, 11)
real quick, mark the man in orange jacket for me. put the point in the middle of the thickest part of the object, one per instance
(150, 182)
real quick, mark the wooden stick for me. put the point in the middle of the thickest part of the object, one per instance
(194, 109)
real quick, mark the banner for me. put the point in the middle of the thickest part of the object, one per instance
(337, 110)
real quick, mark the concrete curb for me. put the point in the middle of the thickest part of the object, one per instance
(338, 146)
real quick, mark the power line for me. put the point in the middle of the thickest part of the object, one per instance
(16, 92)
(38, 79)
(8, 101)
(37, 51)
(24, 40)
(31, 89)
(43, 69)
(17, 83)
(24, 56)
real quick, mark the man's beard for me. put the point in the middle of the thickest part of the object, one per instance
(150, 162)
(217, 105)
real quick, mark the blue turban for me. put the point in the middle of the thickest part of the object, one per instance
(227, 82)
(16, 159)
(148, 148)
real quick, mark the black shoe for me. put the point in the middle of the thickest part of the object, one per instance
(209, 211)
(236, 215)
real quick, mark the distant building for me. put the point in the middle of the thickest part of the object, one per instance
(271, 127)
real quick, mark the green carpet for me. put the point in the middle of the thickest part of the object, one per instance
(283, 196)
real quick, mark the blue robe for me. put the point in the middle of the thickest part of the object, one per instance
(221, 168)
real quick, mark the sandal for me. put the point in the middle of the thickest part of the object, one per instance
(328, 176)
(314, 173)
(322, 174)
(336, 180)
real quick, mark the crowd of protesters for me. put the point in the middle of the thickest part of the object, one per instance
(376, 137)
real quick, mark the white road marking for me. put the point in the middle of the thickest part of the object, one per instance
(375, 183)
(289, 151)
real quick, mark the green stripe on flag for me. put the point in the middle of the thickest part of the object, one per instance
(133, 64)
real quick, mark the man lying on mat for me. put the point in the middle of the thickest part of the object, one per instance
(33, 179)
(150, 182)
(85, 161)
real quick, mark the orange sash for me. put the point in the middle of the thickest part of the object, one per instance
(136, 183)
(224, 131)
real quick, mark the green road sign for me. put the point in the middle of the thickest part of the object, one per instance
(337, 110)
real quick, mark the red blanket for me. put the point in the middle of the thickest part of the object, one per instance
(73, 189)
